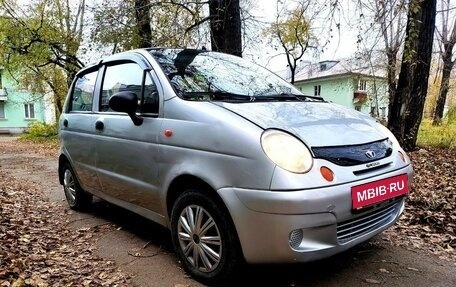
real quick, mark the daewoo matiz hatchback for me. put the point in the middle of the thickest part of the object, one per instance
(237, 163)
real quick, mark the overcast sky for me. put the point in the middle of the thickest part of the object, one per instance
(342, 46)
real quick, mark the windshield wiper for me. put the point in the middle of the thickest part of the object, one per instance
(217, 96)
(284, 97)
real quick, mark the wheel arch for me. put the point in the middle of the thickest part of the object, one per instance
(184, 182)
(62, 160)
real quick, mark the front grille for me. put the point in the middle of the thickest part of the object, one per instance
(363, 171)
(355, 154)
(354, 228)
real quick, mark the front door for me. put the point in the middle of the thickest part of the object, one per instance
(127, 154)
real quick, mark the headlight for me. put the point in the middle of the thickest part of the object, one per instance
(286, 151)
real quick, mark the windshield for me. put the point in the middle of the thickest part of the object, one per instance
(204, 75)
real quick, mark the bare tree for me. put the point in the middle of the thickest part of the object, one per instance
(292, 29)
(384, 35)
(408, 101)
(446, 40)
(391, 18)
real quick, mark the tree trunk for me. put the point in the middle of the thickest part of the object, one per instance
(226, 26)
(293, 73)
(408, 103)
(391, 74)
(143, 23)
(444, 86)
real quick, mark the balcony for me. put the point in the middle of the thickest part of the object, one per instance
(3, 95)
(359, 97)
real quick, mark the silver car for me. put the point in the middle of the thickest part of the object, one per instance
(237, 163)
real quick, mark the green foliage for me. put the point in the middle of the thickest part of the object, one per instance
(171, 23)
(441, 136)
(451, 116)
(39, 43)
(294, 32)
(39, 131)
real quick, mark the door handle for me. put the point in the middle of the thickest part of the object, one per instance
(99, 125)
(65, 123)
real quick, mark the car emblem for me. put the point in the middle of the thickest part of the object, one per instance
(370, 154)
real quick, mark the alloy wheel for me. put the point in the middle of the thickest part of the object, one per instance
(199, 238)
(69, 186)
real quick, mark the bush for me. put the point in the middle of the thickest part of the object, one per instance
(40, 131)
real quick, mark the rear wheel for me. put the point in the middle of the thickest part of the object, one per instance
(204, 237)
(77, 198)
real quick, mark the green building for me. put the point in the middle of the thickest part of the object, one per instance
(18, 107)
(348, 83)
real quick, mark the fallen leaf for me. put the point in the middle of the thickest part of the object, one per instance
(372, 281)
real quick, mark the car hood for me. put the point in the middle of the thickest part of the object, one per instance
(315, 123)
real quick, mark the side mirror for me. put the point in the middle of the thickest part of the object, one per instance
(126, 102)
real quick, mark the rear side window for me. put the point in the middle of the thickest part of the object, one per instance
(83, 92)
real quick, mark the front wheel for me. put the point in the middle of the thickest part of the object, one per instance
(204, 237)
(77, 198)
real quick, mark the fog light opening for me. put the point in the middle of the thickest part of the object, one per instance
(327, 173)
(401, 155)
(295, 238)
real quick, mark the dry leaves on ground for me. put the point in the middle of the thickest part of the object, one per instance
(429, 220)
(37, 249)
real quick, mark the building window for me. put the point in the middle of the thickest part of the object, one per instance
(383, 112)
(358, 108)
(2, 110)
(29, 111)
(317, 90)
(373, 111)
(362, 85)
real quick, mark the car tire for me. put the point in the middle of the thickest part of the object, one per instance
(201, 228)
(76, 197)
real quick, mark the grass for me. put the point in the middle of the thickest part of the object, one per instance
(441, 136)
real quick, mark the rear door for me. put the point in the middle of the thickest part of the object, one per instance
(77, 129)
(127, 154)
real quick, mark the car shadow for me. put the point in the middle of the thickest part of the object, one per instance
(319, 273)
(121, 218)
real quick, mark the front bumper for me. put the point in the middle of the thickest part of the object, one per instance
(306, 225)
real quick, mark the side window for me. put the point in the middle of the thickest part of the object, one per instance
(83, 92)
(119, 78)
(150, 102)
(129, 77)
